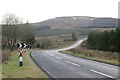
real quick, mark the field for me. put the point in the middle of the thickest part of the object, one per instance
(101, 56)
(11, 69)
(65, 31)
(0, 63)
(57, 41)
(60, 31)
(60, 37)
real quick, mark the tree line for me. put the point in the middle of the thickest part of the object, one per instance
(105, 41)
(14, 31)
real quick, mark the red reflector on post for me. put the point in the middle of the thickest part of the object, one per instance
(20, 54)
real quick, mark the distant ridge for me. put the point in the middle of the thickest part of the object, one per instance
(77, 22)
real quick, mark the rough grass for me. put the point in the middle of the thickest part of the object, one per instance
(5, 55)
(82, 55)
(56, 42)
(11, 69)
(0, 64)
(96, 53)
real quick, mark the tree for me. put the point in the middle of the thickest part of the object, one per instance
(10, 19)
(117, 38)
(105, 41)
(74, 38)
(14, 30)
(10, 23)
(45, 43)
(26, 34)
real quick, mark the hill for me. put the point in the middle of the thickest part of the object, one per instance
(70, 24)
(77, 22)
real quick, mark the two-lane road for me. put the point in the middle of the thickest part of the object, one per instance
(60, 65)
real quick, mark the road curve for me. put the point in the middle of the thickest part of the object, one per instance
(60, 65)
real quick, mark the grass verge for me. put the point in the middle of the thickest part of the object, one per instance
(0, 64)
(11, 69)
(113, 62)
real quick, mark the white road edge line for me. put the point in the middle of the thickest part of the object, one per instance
(58, 58)
(50, 54)
(48, 72)
(102, 73)
(73, 63)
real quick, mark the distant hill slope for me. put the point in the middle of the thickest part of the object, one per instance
(105, 22)
(39, 27)
(76, 22)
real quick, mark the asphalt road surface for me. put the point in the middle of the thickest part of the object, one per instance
(59, 65)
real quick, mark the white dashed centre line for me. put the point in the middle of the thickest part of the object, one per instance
(58, 58)
(67, 57)
(102, 73)
(51, 55)
(73, 63)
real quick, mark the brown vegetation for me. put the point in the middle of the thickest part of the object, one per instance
(96, 53)
(5, 55)
(102, 56)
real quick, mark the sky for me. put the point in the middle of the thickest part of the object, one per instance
(40, 10)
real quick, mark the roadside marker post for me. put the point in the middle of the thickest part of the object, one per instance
(24, 47)
(21, 49)
(20, 59)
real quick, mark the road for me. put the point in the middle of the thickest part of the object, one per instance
(59, 65)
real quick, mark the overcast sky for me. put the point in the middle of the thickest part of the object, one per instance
(40, 10)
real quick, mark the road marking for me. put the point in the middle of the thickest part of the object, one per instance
(50, 74)
(68, 57)
(84, 67)
(102, 73)
(73, 63)
(50, 54)
(59, 53)
(58, 58)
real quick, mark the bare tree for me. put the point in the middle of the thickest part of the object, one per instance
(10, 23)
(13, 31)
(26, 34)
(10, 19)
